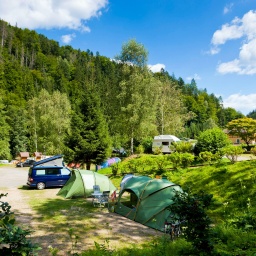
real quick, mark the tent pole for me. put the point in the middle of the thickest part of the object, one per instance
(138, 203)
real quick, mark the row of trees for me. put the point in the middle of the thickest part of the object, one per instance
(60, 100)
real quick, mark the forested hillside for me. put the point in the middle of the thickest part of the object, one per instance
(56, 99)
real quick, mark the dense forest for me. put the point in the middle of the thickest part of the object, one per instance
(56, 99)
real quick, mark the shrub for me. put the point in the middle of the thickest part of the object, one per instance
(158, 150)
(161, 163)
(175, 159)
(147, 145)
(191, 209)
(139, 149)
(211, 140)
(253, 150)
(114, 167)
(13, 239)
(183, 147)
(209, 157)
(181, 159)
(206, 157)
(232, 152)
(186, 159)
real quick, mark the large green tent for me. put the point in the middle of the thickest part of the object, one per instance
(146, 200)
(81, 183)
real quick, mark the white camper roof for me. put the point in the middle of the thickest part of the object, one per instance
(166, 137)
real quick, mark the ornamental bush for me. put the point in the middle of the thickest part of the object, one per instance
(212, 140)
(232, 152)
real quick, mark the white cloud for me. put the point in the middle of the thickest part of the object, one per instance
(66, 39)
(156, 68)
(195, 77)
(244, 28)
(227, 32)
(242, 103)
(228, 8)
(49, 14)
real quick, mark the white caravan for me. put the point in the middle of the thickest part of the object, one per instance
(164, 142)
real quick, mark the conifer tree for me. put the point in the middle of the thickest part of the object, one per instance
(89, 141)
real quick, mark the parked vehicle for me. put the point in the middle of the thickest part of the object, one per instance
(49, 172)
(27, 163)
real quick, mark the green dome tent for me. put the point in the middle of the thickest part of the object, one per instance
(146, 200)
(81, 183)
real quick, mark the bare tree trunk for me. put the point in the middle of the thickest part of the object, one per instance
(132, 144)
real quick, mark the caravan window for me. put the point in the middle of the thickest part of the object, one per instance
(129, 199)
(165, 143)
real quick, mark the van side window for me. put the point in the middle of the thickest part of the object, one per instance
(165, 143)
(40, 172)
(52, 171)
(65, 171)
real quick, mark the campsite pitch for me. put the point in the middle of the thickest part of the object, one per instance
(51, 217)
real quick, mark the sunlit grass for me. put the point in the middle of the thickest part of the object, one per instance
(233, 187)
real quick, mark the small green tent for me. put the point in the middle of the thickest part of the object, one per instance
(146, 200)
(81, 183)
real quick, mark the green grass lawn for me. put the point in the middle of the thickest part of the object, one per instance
(233, 187)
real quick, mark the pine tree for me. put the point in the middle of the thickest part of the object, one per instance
(89, 140)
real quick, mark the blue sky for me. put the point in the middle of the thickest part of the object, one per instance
(212, 41)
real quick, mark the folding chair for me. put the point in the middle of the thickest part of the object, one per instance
(101, 199)
(96, 195)
(105, 199)
(96, 189)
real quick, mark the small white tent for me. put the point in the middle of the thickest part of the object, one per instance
(164, 142)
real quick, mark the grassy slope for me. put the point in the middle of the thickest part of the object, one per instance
(233, 186)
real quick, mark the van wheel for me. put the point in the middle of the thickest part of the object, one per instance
(40, 185)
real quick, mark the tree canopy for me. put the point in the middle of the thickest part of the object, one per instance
(43, 87)
(245, 128)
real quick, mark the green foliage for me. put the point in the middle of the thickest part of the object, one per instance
(232, 152)
(134, 53)
(89, 139)
(206, 156)
(4, 133)
(114, 167)
(187, 159)
(171, 110)
(49, 121)
(140, 149)
(252, 114)
(181, 159)
(245, 128)
(253, 150)
(183, 147)
(212, 140)
(175, 159)
(147, 144)
(13, 239)
(192, 210)
(135, 103)
(161, 163)
(157, 150)
(230, 241)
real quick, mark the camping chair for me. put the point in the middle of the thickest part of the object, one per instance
(102, 199)
(96, 189)
(96, 194)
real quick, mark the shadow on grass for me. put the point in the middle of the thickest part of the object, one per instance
(54, 217)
